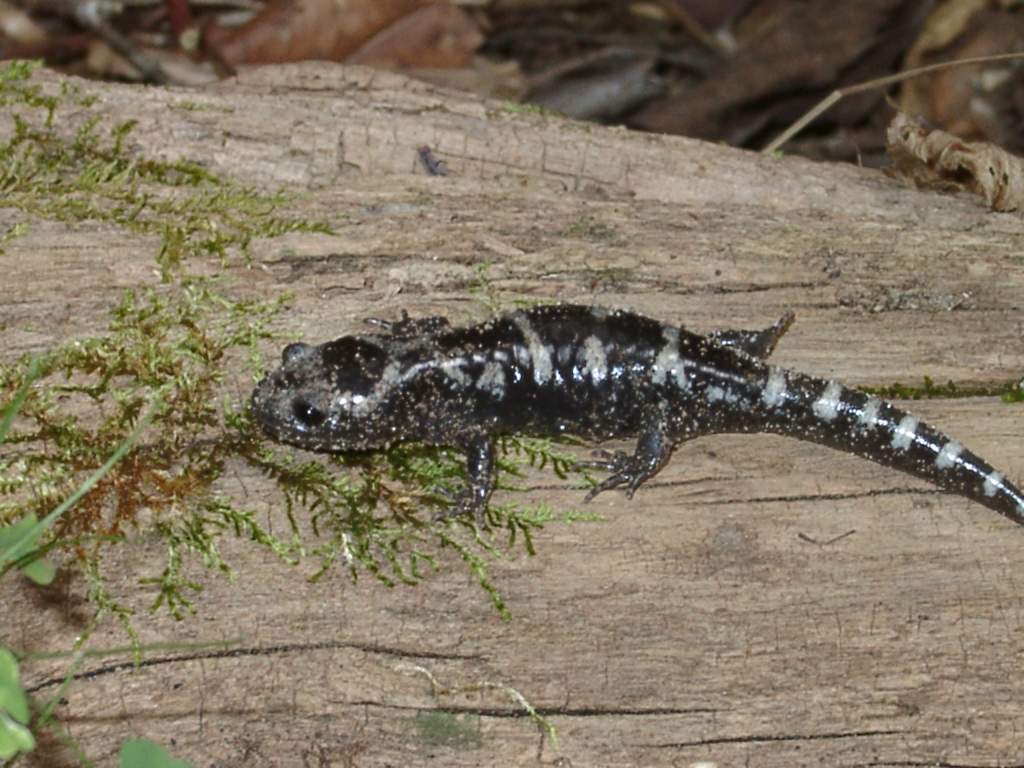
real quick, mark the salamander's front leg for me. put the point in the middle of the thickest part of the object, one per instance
(653, 451)
(472, 500)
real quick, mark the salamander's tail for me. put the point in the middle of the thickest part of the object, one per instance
(828, 413)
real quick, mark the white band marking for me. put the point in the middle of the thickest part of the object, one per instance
(948, 455)
(774, 393)
(993, 483)
(904, 434)
(668, 363)
(595, 359)
(492, 380)
(868, 418)
(826, 407)
(453, 370)
(539, 352)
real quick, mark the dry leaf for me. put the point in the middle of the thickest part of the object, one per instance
(935, 159)
(975, 101)
(804, 51)
(294, 30)
(18, 26)
(439, 36)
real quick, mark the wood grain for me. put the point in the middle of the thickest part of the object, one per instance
(762, 602)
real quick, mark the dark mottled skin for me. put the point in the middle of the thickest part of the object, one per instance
(593, 373)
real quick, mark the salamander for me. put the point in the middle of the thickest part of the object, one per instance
(597, 374)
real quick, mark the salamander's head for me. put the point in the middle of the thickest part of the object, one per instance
(334, 397)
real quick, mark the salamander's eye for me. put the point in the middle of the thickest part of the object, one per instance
(308, 414)
(293, 351)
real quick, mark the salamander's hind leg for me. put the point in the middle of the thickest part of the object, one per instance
(409, 326)
(653, 451)
(755, 343)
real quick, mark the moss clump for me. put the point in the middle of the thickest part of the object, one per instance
(86, 400)
(929, 390)
(93, 177)
(1014, 392)
(383, 512)
(522, 108)
(69, 458)
(371, 513)
(444, 729)
(588, 228)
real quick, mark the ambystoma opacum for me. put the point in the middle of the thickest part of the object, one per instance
(594, 373)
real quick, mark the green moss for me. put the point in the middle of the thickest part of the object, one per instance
(187, 105)
(163, 358)
(15, 90)
(382, 513)
(1014, 392)
(11, 233)
(90, 393)
(143, 753)
(370, 514)
(93, 177)
(521, 108)
(929, 390)
(588, 228)
(443, 729)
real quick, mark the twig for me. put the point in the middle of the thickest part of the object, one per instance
(90, 15)
(694, 28)
(880, 82)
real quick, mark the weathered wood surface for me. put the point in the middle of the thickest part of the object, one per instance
(700, 622)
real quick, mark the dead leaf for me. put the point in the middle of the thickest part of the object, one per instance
(438, 35)
(18, 26)
(935, 159)
(485, 77)
(976, 101)
(806, 50)
(294, 30)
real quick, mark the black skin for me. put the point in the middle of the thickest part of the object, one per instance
(596, 374)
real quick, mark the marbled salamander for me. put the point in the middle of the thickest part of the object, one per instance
(597, 374)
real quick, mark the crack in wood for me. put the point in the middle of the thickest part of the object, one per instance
(271, 650)
(548, 711)
(777, 738)
(804, 497)
(932, 764)
(812, 497)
